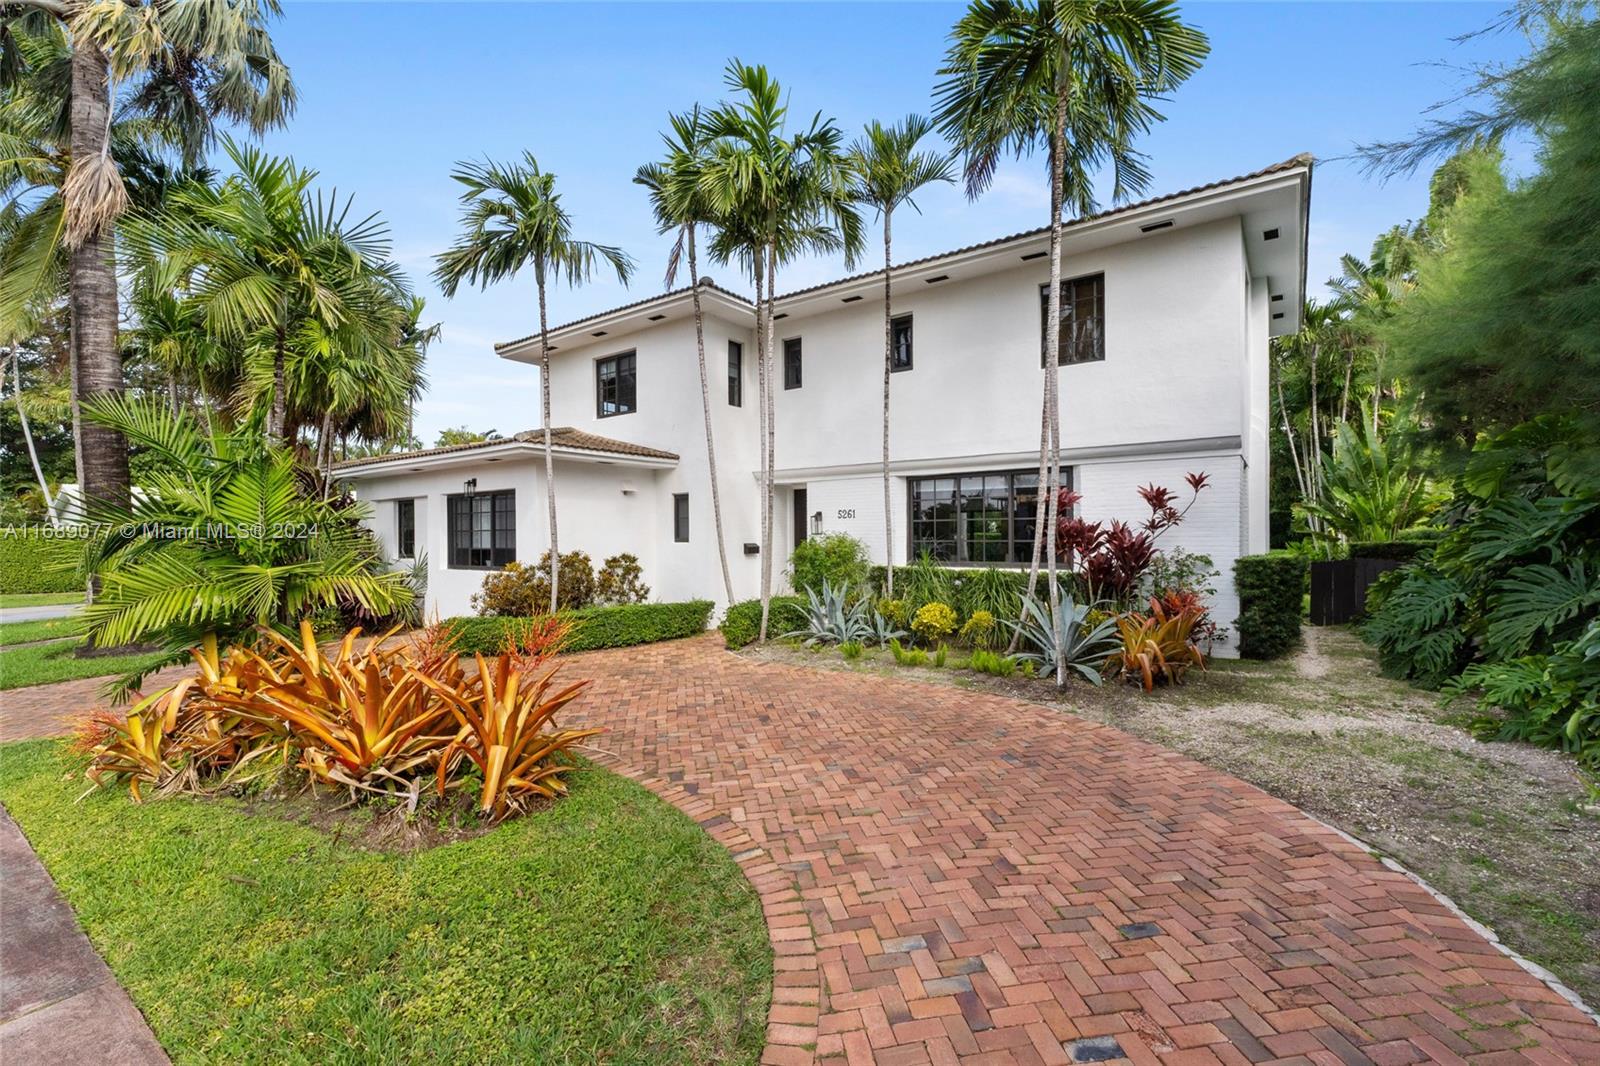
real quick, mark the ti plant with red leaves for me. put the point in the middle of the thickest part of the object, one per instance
(1110, 558)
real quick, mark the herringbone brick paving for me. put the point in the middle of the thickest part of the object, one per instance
(948, 876)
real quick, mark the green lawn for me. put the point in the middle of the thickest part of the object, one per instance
(43, 664)
(608, 927)
(38, 599)
(44, 629)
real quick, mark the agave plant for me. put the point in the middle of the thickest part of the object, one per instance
(831, 617)
(883, 630)
(1081, 647)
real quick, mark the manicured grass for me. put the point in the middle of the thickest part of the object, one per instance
(38, 599)
(607, 927)
(44, 664)
(44, 629)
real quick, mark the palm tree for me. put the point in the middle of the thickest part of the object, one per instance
(184, 65)
(889, 171)
(1371, 292)
(270, 263)
(679, 204)
(778, 196)
(514, 219)
(1077, 76)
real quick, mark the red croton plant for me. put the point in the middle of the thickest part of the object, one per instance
(1111, 558)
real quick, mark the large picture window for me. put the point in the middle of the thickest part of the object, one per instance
(405, 529)
(976, 518)
(1083, 320)
(616, 385)
(483, 530)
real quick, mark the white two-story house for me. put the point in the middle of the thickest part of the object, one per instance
(1167, 309)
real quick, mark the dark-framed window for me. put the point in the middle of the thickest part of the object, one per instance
(680, 517)
(735, 374)
(975, 518)
(483, 530)
(616, 385)
(791, 363)
(405, 528)
(1083, 320)
(900, 343)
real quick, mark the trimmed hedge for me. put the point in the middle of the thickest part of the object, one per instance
(32, 562)
(618, 626)
(1413, 544)
(1271, 589)
(742, 624)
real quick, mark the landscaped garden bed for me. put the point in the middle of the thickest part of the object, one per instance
(605, 926)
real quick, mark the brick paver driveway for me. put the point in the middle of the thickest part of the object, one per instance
(954, 876)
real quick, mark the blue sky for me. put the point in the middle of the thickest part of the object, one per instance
(393, 93)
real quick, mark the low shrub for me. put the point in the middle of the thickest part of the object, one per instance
(1271, 590)
(925, 582)
(742, 622)
(1156, 647)
(907, 656)
(991, 662)
(520, 591)
(838, 559)
(620, 579)
(990, 590)
(1550, 700)
(934, 622)
(1399, 550)
(618, 626)
(940, 655)
(831, 617)
(33, 561)
(851, 649)
(979, 629)
(894, 612)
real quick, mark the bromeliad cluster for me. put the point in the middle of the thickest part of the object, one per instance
(374, 720)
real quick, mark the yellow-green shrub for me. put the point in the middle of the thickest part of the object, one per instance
(934, 622)
(979, 630)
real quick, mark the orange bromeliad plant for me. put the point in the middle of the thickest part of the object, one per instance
(1156, 646)
(503, 713)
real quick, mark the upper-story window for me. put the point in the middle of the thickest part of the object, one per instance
(616, 385)
(1083, 320)
(900, 343)
(791, 363)
(405, 529)
(483, 530)
(735, 374)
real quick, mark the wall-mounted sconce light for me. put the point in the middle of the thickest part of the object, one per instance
(816, 524)
(469, 486)
(751, 549)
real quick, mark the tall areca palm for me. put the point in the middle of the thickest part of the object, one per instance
(183, 63)
(1078, 77)
(779, 195)
(889, 172)
(514, 219)
(680, 205)
(273, 263)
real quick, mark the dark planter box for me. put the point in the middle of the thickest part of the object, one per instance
(1339, 588)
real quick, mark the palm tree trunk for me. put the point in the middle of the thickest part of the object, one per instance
(705, 408)
(772, 442)
(1377, 388)
(325, 453)
(1349, 375)
(758, 273)
(1058, 136)
(1038, 522)
(101, 453)
(27, 437)
(549, 456)
(888, 366)
(1288, 433)
(280, 392)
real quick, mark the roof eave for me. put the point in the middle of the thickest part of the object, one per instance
(512, 449)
